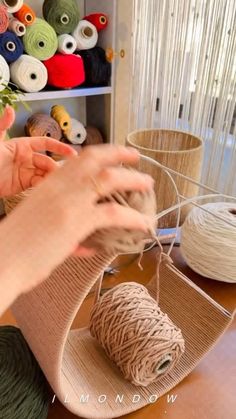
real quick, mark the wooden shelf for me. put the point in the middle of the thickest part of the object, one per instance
(63, 94)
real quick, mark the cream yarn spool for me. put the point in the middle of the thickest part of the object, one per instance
(135, 334)
(86, 35)
(77, 134)
(17, 27)
(13, 6)
(66, 44)
(29, 74)
(208, 244)
(4, 73)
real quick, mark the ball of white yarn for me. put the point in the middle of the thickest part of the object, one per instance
(77, 134)
(29, 74)
(66, 44)
(13, 6)
(4, 73)
(208, 243)
(86, 35)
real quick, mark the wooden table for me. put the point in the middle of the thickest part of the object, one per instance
(207, 393)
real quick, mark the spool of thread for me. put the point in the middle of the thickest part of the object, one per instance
(29, 74)
(208, 243)
(97, 68)
(136, 334)
(24, 390)
(66, 44)
(4, 73)
(62, 15)
(122, 241)
(65, 71)
(17, 27)
(40, 40)
(4, 19)
(99, 20)
(86, 35)
(61, 116)
(41, 125)
(77, 133)
(13, 5)
(93, 136)
(25, 15)
(11, 47)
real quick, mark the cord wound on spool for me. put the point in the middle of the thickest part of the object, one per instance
(4, 73)
(135, 334)
(40, 40)
(41, 125)
(62, 15)
(11, 47)
(24, 389)
(29, 74)
(208, 243)
(17, 27)
(26, 15)
(4, 19)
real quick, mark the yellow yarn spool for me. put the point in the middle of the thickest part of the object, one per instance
(60, 114)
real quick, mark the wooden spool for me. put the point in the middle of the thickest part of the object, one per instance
(176, 150)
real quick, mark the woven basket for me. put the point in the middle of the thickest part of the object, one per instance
(176, 150)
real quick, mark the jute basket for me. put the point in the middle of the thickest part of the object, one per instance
(176, 150)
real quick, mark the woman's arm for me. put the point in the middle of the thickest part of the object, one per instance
(62, 212)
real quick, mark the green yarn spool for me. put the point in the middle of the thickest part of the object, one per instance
(62, 15)
(24, 392)
(40, 40)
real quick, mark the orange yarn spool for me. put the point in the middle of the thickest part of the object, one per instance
(25, 15)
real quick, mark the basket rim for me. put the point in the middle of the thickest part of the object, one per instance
(139, 131)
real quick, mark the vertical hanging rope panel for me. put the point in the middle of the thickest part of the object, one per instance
(75, 364)
(177, 150)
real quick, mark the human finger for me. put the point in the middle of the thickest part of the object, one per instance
(100, 156)
(44, 163)
(49, 144)
(6, 121)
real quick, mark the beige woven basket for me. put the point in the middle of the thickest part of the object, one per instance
(73, 362)
(176, 150)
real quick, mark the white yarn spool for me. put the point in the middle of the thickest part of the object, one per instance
(86, 35)
(13, 5)
(17, 27)
(4, 73)
(77, 134)
(66, 44)
(29, 74)
(208, 243)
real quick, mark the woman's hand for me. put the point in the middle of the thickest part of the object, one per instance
(64, 210)
(21, 164)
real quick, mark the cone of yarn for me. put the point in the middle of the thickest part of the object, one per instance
(77, 133)
(29, 74)
(62, 15)
(11, 47)
(40, 40)
(4, 19)
(208, 243)
(136, 334)
(61, 116)
(13, 5)
(25, 15)
(119, 240)
(24, 390)
(65, 71)
(66, 44)
(4, 73)
(93, 137)
(99, 20)
(41, 125)
(97, 68)
(17, 27)
(86, 35)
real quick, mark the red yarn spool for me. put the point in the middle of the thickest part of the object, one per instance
(25, 15)
(99, 20)
(4, 19)
(65, 71)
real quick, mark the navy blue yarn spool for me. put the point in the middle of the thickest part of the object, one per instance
(11, 47)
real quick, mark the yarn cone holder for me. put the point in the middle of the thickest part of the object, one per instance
(75, 364)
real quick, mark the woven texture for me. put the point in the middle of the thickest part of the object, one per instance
(177, 150)
(75, 364)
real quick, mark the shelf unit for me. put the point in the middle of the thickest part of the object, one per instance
(65, 94)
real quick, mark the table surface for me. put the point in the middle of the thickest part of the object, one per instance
(209, 392)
